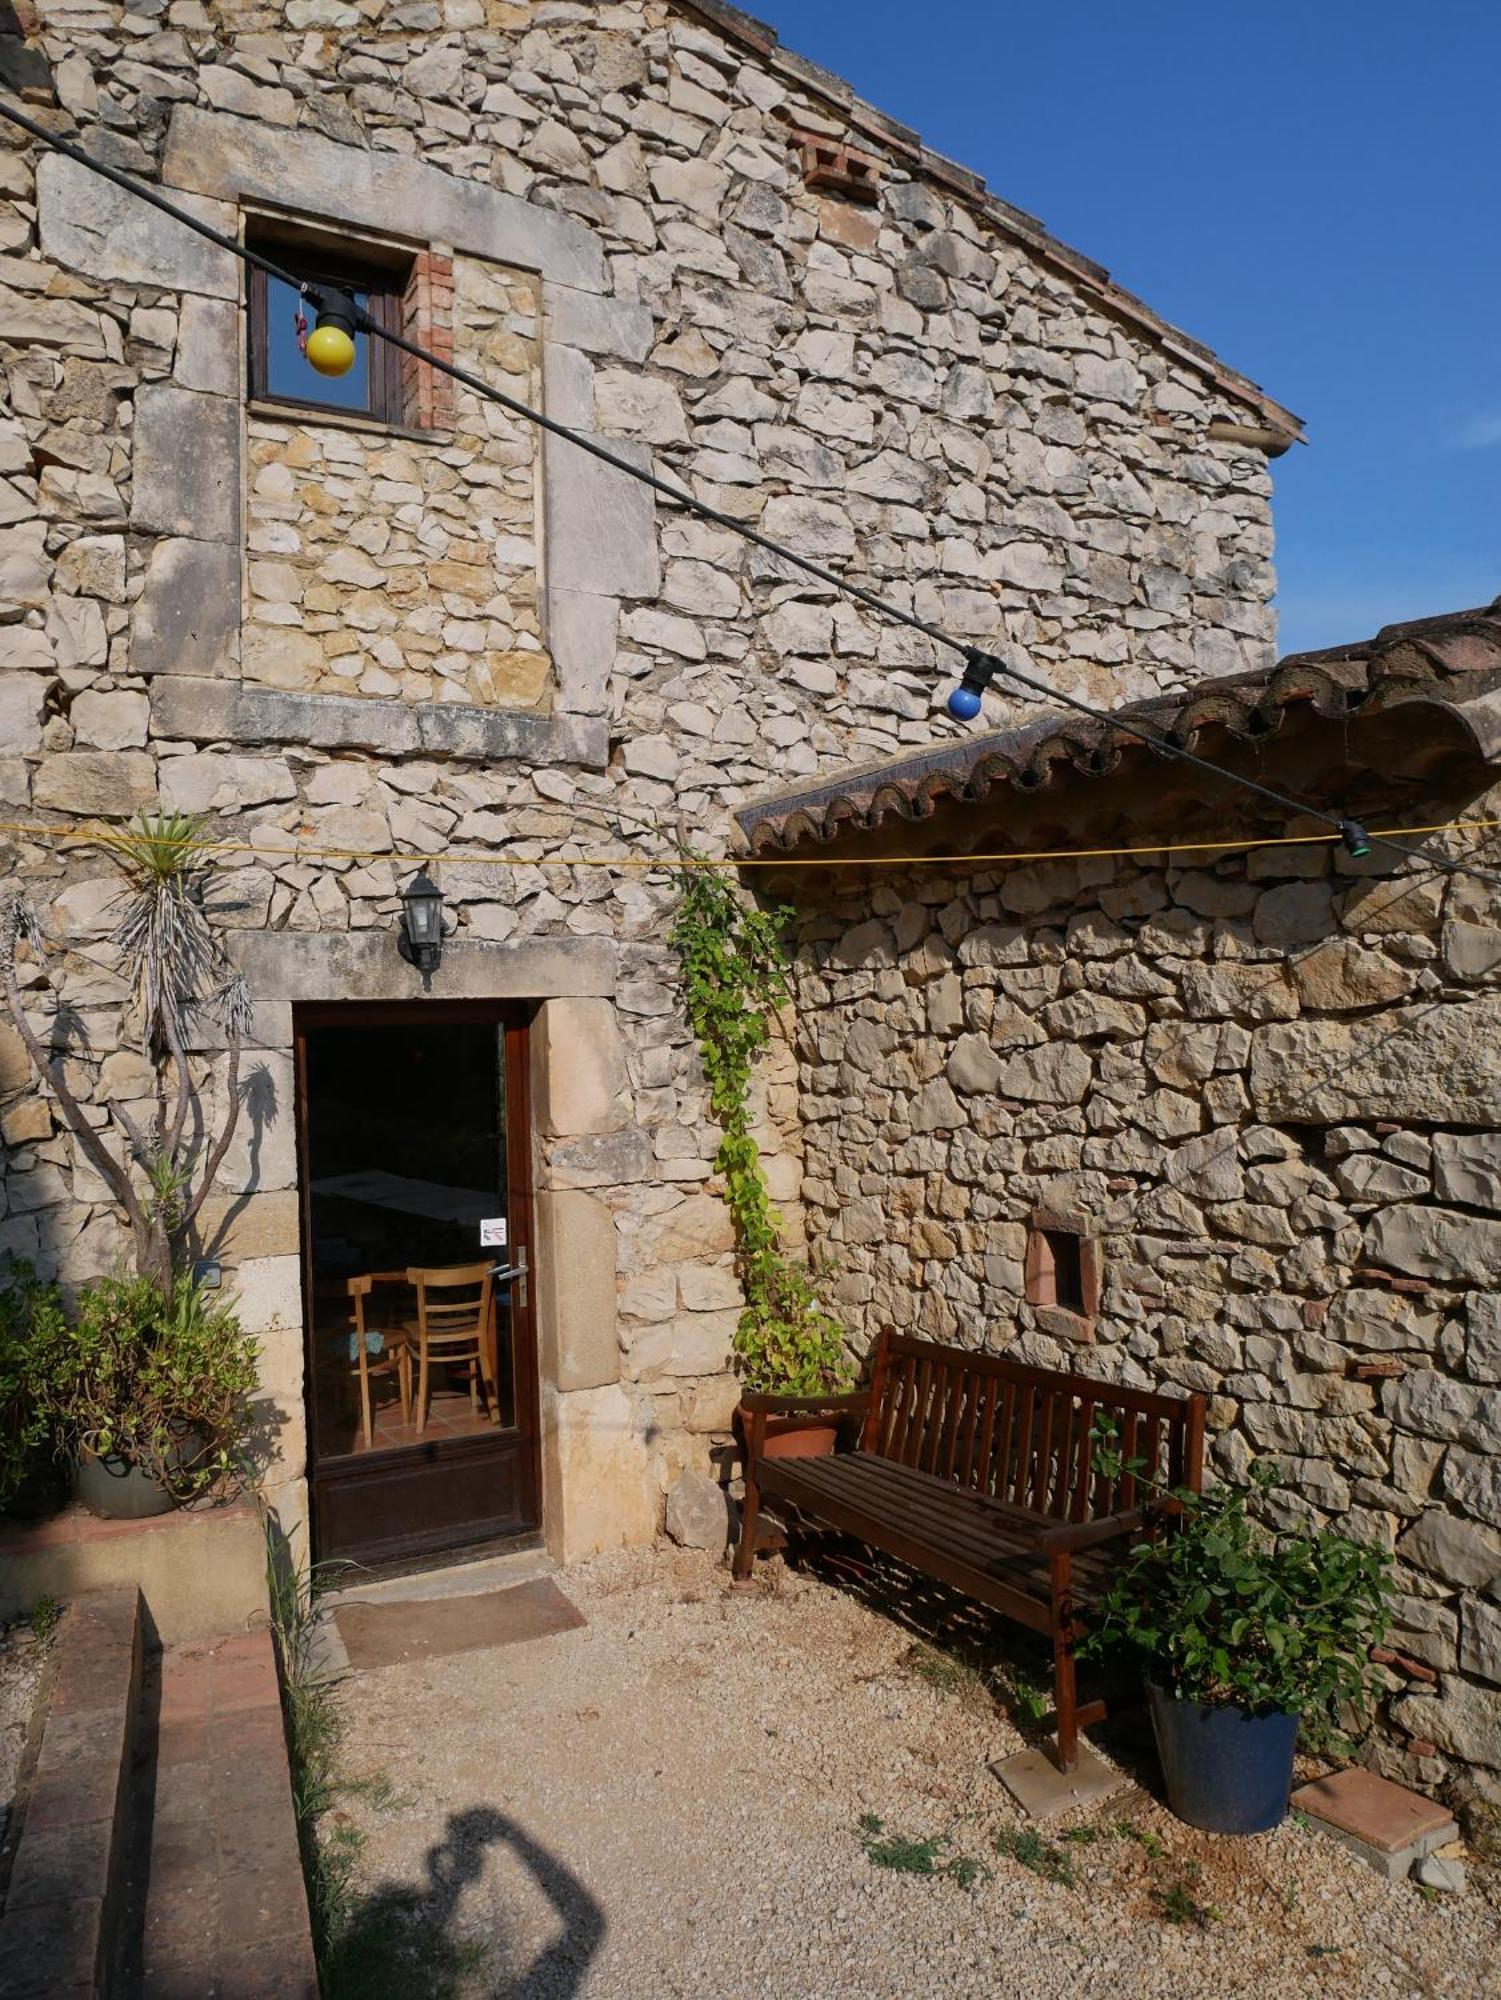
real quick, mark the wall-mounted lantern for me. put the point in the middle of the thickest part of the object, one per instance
(422, 930)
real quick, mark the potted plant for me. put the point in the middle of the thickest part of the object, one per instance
(1246, 1637)
(32, 1332)
(787, 1345)
(150, 1391)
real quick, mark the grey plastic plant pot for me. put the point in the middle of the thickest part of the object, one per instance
(1226, 1771)
(118, 1491)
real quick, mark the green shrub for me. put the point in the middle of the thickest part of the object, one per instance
(1224, 1612)
(160, 1380)
(32, 1332)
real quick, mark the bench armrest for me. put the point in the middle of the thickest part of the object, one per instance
(761, 1404)
(1086, 1534)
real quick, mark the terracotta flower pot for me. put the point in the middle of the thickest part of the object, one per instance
(787, 1438)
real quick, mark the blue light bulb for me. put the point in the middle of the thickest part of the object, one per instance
(964, 704)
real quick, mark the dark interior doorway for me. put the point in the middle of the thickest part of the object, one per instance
(414, 1135)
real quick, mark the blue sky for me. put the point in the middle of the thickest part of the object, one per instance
(1309, 186)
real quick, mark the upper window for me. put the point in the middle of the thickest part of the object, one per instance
(281, 373)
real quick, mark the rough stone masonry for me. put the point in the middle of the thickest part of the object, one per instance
(440, 633)
(1258, 1089)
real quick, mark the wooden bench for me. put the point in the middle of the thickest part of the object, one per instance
(979, 1471)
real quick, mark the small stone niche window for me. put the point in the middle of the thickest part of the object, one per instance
(1063, 1266)
(411, 293)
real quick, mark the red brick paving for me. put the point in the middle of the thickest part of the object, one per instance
(63, 1899)
(1384, 1815)
(226, 1913)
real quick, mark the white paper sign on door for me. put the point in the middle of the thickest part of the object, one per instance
(492, 1232)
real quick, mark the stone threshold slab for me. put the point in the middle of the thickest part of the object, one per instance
(1389, 1827)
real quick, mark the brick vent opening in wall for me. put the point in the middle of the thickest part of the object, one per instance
(830, 166)
(1062, 1275)
(408, 292)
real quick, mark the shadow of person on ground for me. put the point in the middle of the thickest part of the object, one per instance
(401, 1940)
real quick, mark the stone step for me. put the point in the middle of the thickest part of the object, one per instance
(221, 1904)
(59, 1934)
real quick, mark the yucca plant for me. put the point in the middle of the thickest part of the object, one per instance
(176, 967)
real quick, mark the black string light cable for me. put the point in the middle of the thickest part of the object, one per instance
(980, 667)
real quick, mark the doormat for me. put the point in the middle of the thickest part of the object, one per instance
(386, 1635)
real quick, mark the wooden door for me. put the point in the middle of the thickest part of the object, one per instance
(414, 1151)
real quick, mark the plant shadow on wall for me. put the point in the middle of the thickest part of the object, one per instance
(146, 1378)
(735, 971)
(177, 970)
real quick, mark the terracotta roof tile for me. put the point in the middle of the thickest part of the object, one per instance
(1450, 661)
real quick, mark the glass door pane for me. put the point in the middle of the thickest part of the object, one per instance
(406, 1171)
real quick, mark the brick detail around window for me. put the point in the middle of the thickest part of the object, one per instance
(427, 317)
(1063, 1272)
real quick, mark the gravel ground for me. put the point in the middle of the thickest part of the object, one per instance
(21, 1659)
(669, 1802)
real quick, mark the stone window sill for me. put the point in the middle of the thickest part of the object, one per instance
(1076, 1328)
(316, 418)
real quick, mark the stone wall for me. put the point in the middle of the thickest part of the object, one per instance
(331, 642)
(400, 567)
(1267, 1088)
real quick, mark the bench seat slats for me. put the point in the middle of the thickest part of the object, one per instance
(993, 1540)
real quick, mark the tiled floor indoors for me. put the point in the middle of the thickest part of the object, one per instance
(449, 1415)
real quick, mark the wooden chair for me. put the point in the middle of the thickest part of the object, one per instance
(453, 1329)
(396, 1358)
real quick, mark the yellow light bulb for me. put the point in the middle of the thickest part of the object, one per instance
(330, 350)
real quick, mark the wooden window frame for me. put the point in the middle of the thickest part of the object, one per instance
(385, 287)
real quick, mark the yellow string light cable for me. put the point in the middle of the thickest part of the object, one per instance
(980, 666)
(102, 835)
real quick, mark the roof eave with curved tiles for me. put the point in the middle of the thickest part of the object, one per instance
(1444, 662)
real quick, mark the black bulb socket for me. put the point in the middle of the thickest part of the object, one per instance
(980, 669)
(1357, 840)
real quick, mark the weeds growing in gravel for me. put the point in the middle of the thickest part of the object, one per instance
(1149, 1842)
(906, 1854)
(369, 1947)
(1046, 1858)
(1177, 1904)
(940, 1670)
(44, 1616)
(1025, 1695)
(329, 1856)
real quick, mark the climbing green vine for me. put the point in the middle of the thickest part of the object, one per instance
(734, 966)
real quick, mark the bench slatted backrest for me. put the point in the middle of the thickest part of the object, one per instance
(1022, 1434)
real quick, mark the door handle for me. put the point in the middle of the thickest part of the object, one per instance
(513, 1274)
